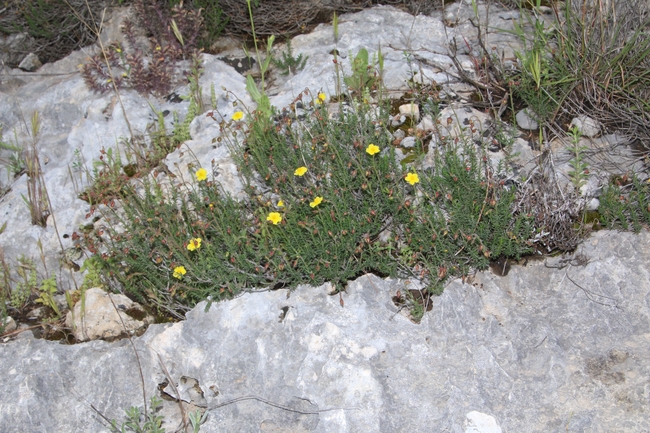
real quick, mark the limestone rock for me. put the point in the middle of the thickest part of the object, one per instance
(9, 324)
(380, 26)
(410, 110)
(399, 134)
(457, 121)
(526, 120)
(593, 204)
(517, 348)
(587, 126)
(14, 47)
(408, 142)
(75, 125)
(397, 120)
(478, 422)
(523, 156)
(112, 29)
(30, 63)
(106, 316)
(427, 124)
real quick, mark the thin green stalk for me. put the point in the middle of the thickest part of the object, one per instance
(335, 26)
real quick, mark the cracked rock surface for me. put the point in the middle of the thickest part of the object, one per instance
(558, 345)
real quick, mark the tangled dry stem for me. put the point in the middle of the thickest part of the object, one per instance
(553, 209)
(617, 91)
(55, 30)
(148, 71)
(282, 17)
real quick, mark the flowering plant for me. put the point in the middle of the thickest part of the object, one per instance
(372, 149)
(412, 178)
(194, 244)
(179, 271)
(274, 217)
(201, 174)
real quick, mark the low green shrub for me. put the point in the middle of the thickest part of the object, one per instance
(149, 420)
(327, 201)
(139, 422)
(289, 64)
(625, 204)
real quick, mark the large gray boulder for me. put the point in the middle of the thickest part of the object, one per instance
(557, 345)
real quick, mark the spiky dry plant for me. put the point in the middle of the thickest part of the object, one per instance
(151, 71)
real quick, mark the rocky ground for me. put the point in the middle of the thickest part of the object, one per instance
(557, 345)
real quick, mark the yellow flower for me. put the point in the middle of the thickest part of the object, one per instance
(194, 244)
(300, 171)
(280, 203)
(320, 99)
(372, 149)
(237, 116)
(274, 217)
(179, 271)
(412, 178)
(201, 174)
(316, 202)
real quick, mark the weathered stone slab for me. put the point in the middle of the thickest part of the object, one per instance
(558, 345)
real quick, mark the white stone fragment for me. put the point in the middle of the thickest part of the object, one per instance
(587, 126)
(478, 422)
(410, 110)
(30, 63)
(100, 319)
(526, 120)
(9, 324)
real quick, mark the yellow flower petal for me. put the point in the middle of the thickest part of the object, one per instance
(179, 271)
(280, 203)
(372, 149)
(316, 202)
(412, 178)
(194, 244)
(201, 174)
(300, 171)
(274, 218)
(322, 96)
(238, 115)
